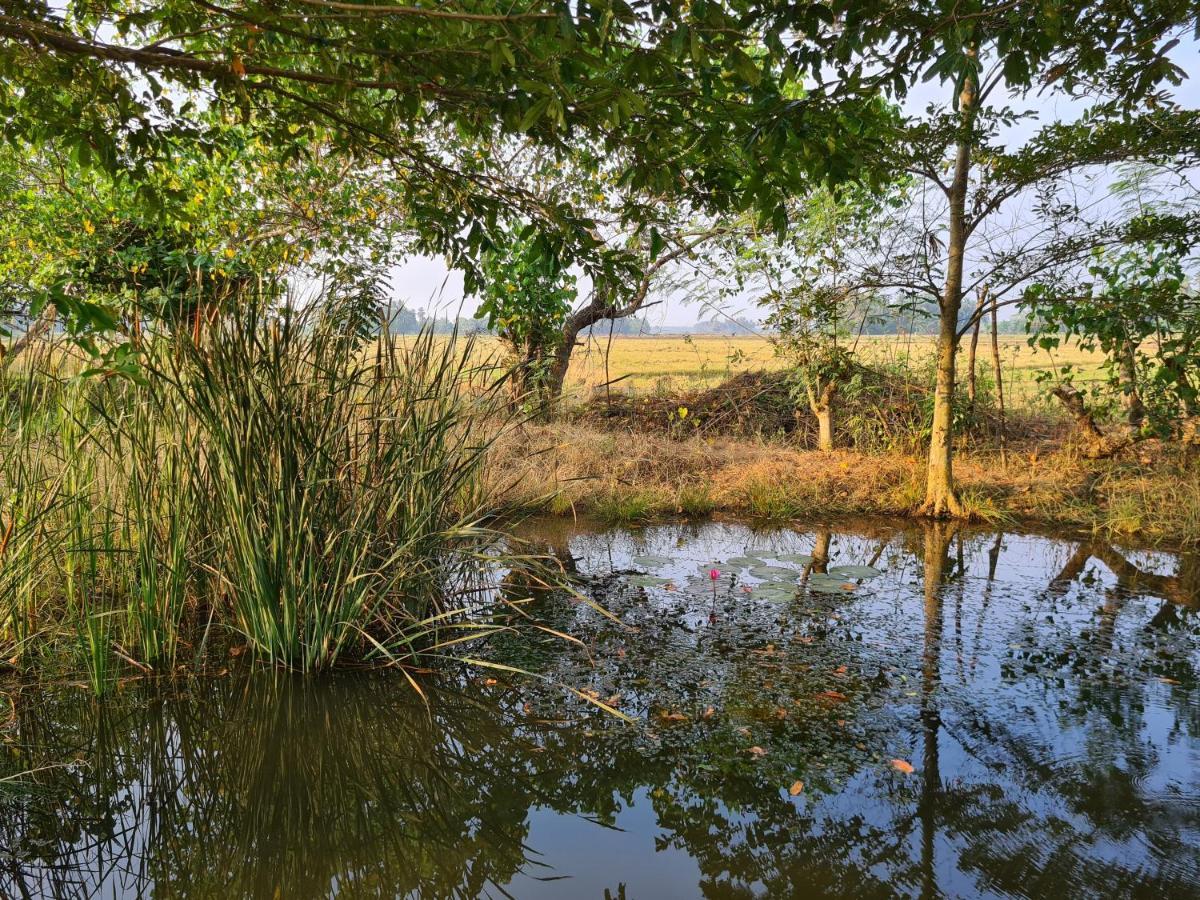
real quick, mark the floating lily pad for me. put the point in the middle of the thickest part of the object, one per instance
(742, 562)
(829, 584)
(855, 572)
(772, 573)
(652, 562)
(778, 593)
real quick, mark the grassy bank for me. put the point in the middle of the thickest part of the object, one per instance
(625, 475)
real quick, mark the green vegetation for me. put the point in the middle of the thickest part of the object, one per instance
(278, 482)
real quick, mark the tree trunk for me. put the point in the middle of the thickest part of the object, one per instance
(822, 407)
(941, 496)
(998, 371)
(1131, 399)
(980, 302)
(1097, 444)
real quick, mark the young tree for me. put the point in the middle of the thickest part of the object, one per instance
(1137, 307)
(526, 298)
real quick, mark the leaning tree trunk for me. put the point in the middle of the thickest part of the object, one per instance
(941, 496)
(1097, 444)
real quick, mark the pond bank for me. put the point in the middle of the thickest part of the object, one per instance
(626, 475)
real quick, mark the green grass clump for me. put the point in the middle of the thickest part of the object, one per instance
(308, 493)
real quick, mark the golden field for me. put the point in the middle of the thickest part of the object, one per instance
(674, 363)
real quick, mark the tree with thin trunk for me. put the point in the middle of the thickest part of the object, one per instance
(975, 177)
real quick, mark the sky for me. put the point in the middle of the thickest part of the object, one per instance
(426, 283)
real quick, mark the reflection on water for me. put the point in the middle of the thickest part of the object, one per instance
(1044, 693)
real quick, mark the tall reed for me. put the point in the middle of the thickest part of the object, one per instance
(318, 495)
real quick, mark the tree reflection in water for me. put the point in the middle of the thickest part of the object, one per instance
(1049, 706)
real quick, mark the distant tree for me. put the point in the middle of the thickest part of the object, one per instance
(526, 297)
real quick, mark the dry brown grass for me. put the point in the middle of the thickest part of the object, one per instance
(624, 476)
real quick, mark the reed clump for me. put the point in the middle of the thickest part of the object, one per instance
(275, 482)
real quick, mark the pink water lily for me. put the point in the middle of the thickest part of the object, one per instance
(714, 574)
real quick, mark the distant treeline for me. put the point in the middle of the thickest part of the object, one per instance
(883, 322)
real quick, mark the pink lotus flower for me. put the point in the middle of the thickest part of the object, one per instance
(714, 574)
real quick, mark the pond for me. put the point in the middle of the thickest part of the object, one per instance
(874, 709)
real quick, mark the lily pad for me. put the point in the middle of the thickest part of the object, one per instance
(778, 593)
(772, 573)
(743, 562)
(829, 584)
(855, 572)
(799, 559)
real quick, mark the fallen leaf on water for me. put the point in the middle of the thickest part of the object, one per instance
(901, 765)
(780, 713)
(744, 731)
(757, 752)
(796, 788)
(1165, 680)
(848, 586)
(489, 681)
(673, 717)
(840, 670)
(708, 713)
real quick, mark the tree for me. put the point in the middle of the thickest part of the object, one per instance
(1139, 310)
(431, 93)
(1117, 52)
(526, 297)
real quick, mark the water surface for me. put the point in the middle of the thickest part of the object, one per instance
(872, 710)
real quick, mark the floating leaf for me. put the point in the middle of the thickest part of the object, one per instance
(800, 559)
(855, 572)
(901, 765)
(796, 788)
(771, 573)
(827, 584)
(757, 752)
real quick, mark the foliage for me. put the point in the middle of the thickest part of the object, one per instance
(227, 222)
(684, 95)
(1139, 310)
(525, 299)
(277, 481)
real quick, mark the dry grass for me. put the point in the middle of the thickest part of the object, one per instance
(630, 476)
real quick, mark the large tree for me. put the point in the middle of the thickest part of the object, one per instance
(432, 91)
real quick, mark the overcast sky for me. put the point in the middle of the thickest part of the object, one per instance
(426, 283)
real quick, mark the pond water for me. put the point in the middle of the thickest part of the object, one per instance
(871, 710)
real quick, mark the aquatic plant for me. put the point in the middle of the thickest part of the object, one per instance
(316, 494)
